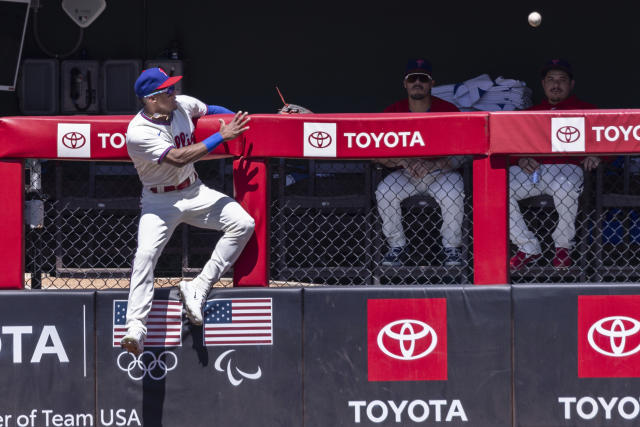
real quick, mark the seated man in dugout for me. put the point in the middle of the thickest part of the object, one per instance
(436, 177)
(560, 177)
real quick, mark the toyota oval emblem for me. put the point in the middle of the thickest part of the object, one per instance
(73, 140)
(319, 139)
(415, 339)
(617, 329)
(568, 134)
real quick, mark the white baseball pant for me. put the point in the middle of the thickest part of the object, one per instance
(197, 205)
(561, 181)
(447, 188)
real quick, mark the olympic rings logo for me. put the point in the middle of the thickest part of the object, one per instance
(157, 367)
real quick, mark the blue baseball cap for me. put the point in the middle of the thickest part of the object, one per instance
(556, 64)
(422, 66)
(152, 80)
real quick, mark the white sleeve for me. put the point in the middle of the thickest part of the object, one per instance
(192, 106)
(145, 143)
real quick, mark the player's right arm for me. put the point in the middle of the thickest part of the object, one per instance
(180, 157)
(528, 164)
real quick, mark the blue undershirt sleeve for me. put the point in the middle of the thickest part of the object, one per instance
(216, 109)
(213, 141)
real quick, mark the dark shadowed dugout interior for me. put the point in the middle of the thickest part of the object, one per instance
(351, 58)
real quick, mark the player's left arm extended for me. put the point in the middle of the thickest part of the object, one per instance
(217, 109)
(180, 157)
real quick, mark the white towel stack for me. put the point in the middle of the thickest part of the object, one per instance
(483, 94)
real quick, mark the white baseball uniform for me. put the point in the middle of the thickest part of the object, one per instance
(173, 195)
(561, 181)
(447, 188)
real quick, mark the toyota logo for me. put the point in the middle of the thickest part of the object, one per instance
(147, 363)
(617, 329)
(407, 332)
(73, 140)
(568, 134)
(319, 139)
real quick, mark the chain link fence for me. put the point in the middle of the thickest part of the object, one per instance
(548, 216)
(342, 223)
(568, 225)
(615, 232)
(82, 221)
(339, 223)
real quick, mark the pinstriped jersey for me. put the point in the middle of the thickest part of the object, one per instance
(149, 141)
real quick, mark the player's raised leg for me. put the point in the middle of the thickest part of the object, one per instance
(214, 210)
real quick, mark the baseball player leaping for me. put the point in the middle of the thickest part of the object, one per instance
(162, 145)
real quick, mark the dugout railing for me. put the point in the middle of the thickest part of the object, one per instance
(70, 211)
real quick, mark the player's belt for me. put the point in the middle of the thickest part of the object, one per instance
(184, 184)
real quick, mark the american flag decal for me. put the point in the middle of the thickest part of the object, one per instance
(164, 324)
(238, 321)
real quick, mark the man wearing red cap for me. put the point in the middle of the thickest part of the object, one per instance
(433, 176)
(161, 142)
(560, 177)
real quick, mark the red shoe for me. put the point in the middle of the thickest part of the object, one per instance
(520, 259)
(562, 258)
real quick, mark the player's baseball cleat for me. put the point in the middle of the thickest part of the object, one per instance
(453, 257)
(562, 258)
(520, 259)
(392, 258)
(133, 342)
(193, 299)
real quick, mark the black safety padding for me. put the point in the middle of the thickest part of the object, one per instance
(47, 358)
(370, 358)
(245, 383)
(570, 367)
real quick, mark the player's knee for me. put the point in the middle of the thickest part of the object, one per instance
(385, 193)
(381, 190)
(455, 183)
(564, 187)
(245, 226)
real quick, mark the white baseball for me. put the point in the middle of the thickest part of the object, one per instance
(534, 19)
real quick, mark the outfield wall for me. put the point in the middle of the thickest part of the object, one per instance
(489, 137)
(524, 355)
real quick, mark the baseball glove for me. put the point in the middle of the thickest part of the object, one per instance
(294, 109)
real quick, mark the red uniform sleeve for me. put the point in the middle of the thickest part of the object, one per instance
(401, 106)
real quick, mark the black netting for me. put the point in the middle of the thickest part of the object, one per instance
(336, 222)
(327, 225)
(603, 246)
(548, 222)
(82, 222)
(615, 228)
